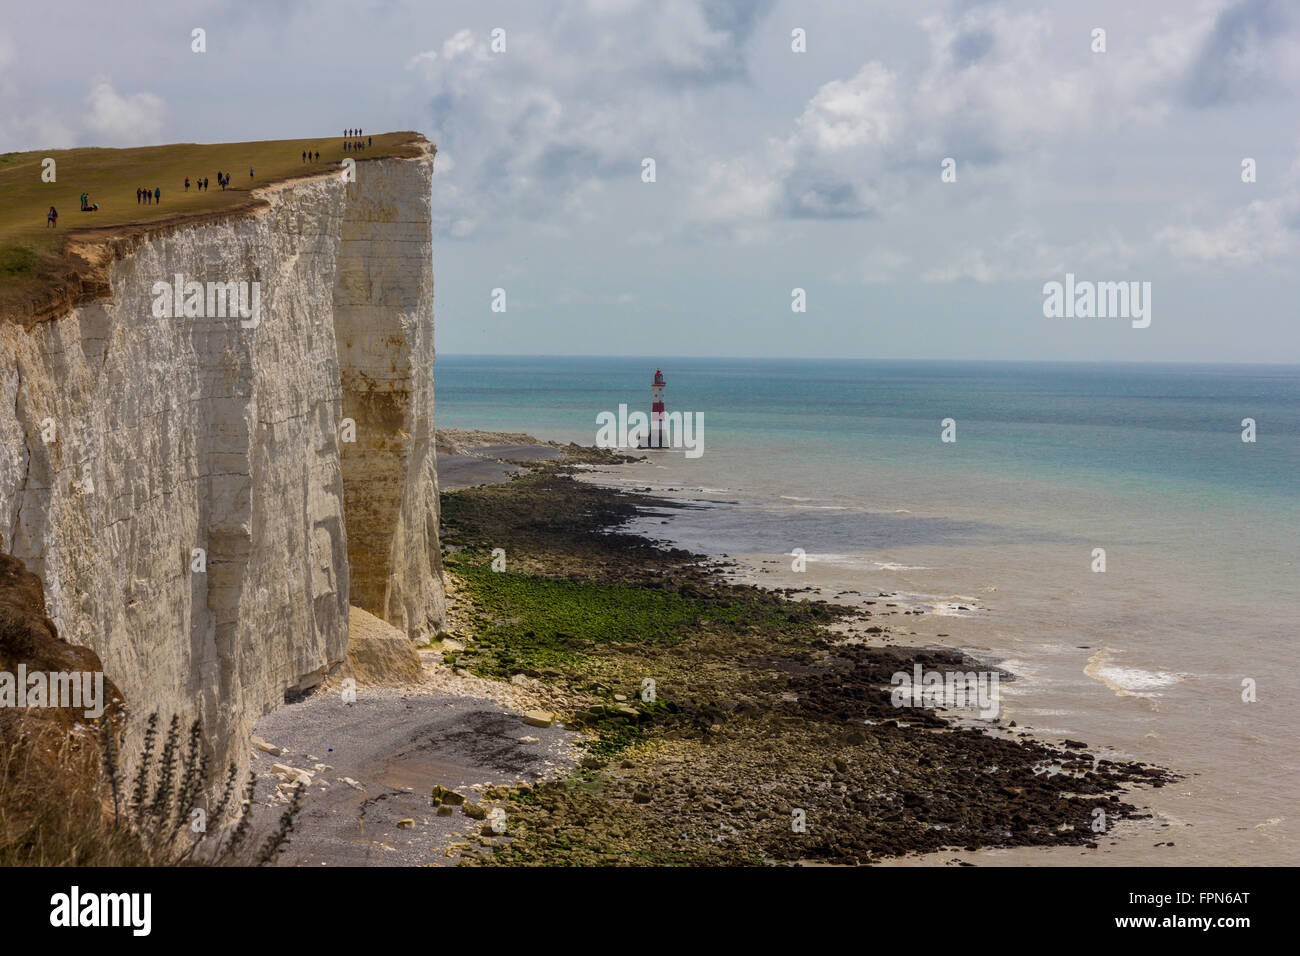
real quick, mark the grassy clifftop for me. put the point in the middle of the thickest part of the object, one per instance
(44, 271)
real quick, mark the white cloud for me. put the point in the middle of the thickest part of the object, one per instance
(880, 265)
(464, 44)
(1024, 252)
(1258, 232)
(47, 128)
(117, 120)
(1263, 229)
(422, 60)
(730, 192)
(553, 136)
(862, 111)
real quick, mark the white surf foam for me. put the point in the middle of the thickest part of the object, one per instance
(1129, 681)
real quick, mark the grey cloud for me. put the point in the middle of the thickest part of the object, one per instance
(969, 48)
(737, 19)
(806, 197)
(1234, 63)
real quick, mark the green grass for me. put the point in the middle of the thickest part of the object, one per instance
(17, 261)
(111, 177)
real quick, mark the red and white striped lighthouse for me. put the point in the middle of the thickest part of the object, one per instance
(657, 410)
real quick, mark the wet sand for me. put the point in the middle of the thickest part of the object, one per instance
(397, 747)
(467, 459)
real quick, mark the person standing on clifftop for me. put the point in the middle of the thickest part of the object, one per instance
(52, 218)
(157, 194)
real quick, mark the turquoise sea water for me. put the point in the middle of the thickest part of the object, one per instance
(1120, 423)
(1095, 442)
(843, 459)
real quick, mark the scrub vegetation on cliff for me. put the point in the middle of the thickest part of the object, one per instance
(65, 799)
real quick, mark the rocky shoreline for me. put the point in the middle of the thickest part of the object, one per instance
(726, 724)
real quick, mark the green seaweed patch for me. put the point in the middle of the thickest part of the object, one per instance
(612, 741)
(560, 825)
(533, 623)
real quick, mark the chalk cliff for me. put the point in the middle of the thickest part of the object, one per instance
(129, 440)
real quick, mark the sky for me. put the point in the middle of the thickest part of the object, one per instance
(1115, 158)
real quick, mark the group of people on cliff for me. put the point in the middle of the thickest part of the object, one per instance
(353, 141)
(52, 216)
(223, 180)
(148, 197)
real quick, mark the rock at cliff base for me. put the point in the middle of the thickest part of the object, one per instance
(447, 797)
(378, 653)
(539, 718)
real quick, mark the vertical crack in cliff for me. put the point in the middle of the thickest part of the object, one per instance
(20, 497)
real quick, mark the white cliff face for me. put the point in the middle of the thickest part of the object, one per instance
(383, 303)
(128, 440)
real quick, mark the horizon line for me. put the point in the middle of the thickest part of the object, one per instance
(817, 358)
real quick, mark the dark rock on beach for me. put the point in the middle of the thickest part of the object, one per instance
(767, 740)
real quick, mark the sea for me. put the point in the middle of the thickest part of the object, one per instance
(1101, 532)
